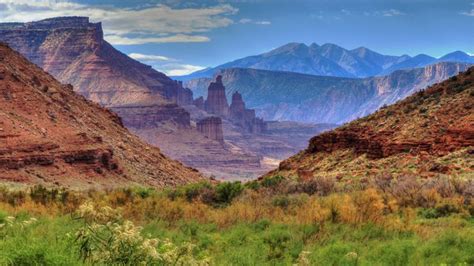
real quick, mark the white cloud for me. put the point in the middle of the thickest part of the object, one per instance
(122, 40)
(392, 13)
(153, 23)
(468, 13)
(167, 65)
(384, 13)
(251, 21)
(179, 69)
(346, 12)
(148, 57)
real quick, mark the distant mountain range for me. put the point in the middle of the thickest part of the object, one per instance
(330, 60)
(290, 96)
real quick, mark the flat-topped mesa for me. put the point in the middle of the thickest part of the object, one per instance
(211, 127)
(244, 117)
(52, 23)
(216, 102)
(73, 50)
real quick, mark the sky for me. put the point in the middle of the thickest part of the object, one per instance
(178, 37)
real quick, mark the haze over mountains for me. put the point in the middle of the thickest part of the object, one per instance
(330, 60)
(291, 96)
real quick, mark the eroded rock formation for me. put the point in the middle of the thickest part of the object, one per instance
(211, 127)
(153, 116)
(216, 102)
(244, 117)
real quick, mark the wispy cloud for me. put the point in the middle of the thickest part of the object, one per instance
(180, 69)
(252, 21)
(150, 24)
(167, 65)
(385, 13)
(468, 13)
(392, 13)
(122, 40)
(148, 57)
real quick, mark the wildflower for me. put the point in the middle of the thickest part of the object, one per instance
(352, 255)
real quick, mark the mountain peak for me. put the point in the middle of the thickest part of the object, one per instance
(456, 56)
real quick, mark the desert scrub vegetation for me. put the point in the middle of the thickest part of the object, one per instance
(276, 221)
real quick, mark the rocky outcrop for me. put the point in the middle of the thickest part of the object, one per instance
(52, 136)
(153, 116)
(199, 103)
(184, 95)
(216, 102)
(244, 117)
(211, 127)
(237, 107)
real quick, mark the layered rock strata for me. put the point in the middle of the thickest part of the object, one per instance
(50, 135)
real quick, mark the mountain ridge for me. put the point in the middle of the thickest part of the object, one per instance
(289, 96)
(329, 60)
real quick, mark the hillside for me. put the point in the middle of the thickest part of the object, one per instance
(330, 60)
(317, 99)
(50, 135)
(430, 133)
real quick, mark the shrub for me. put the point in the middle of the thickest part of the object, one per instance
(226, 192)
(192, 191)
(321, 186)
(105, 239)
(271, 181)
(277, 242)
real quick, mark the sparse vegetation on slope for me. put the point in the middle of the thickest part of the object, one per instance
(428, 134)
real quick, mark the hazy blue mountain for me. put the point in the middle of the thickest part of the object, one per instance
(420, 60)
(330, 60)
(292, 96)
(457, 56)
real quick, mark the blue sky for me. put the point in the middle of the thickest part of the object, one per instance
(178, 37)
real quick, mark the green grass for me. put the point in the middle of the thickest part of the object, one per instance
(50, 241)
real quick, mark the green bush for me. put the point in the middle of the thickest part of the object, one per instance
(271, 181)
(226, 192)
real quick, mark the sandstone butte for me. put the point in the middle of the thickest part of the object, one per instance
(428, 134)
(51, 135)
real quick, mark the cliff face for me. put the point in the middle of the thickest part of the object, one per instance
(73, 50)
(289, 96)
(216, 102)
(153, 116)
(244, 117)
(429, 133)
(50, 135)
(211, 127)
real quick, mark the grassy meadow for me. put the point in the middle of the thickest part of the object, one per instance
(385, 221)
